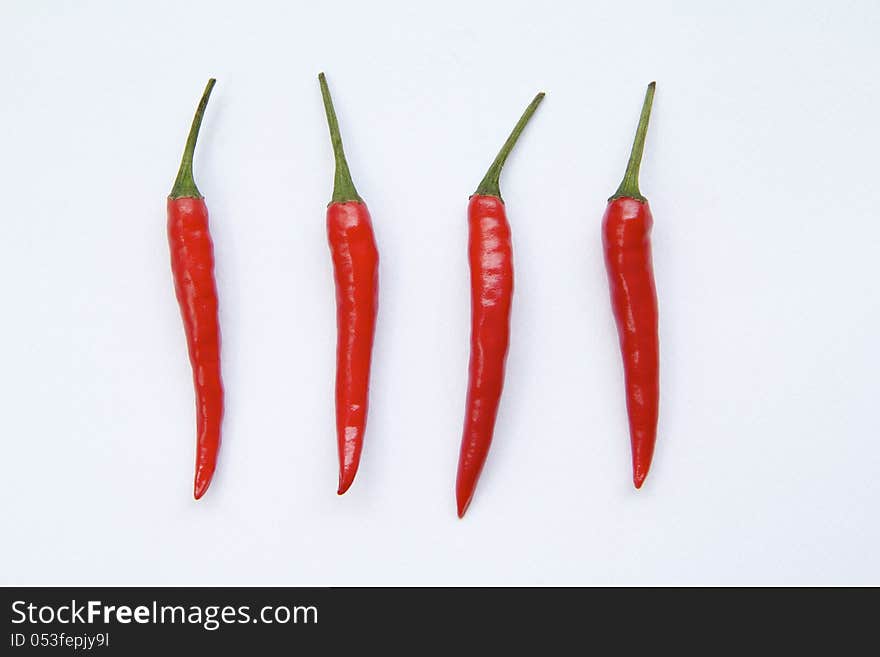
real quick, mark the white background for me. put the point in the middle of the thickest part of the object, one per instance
(761, 167)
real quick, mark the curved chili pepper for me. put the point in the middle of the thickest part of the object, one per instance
(192, 265)
(356, 272)
(626, 237)
(491, 263)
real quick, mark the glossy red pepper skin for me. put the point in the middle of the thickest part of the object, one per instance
(490, 255)
(192, 266)
(626, 241)
(626, 238)
(356, 272)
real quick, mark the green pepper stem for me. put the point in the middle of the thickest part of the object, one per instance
(185, 186)
(629, 187)
(490, 183)
(343, 188)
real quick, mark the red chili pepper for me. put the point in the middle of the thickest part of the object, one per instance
(356, 271)
(192, 264)
(626, 236)
(491, 264)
